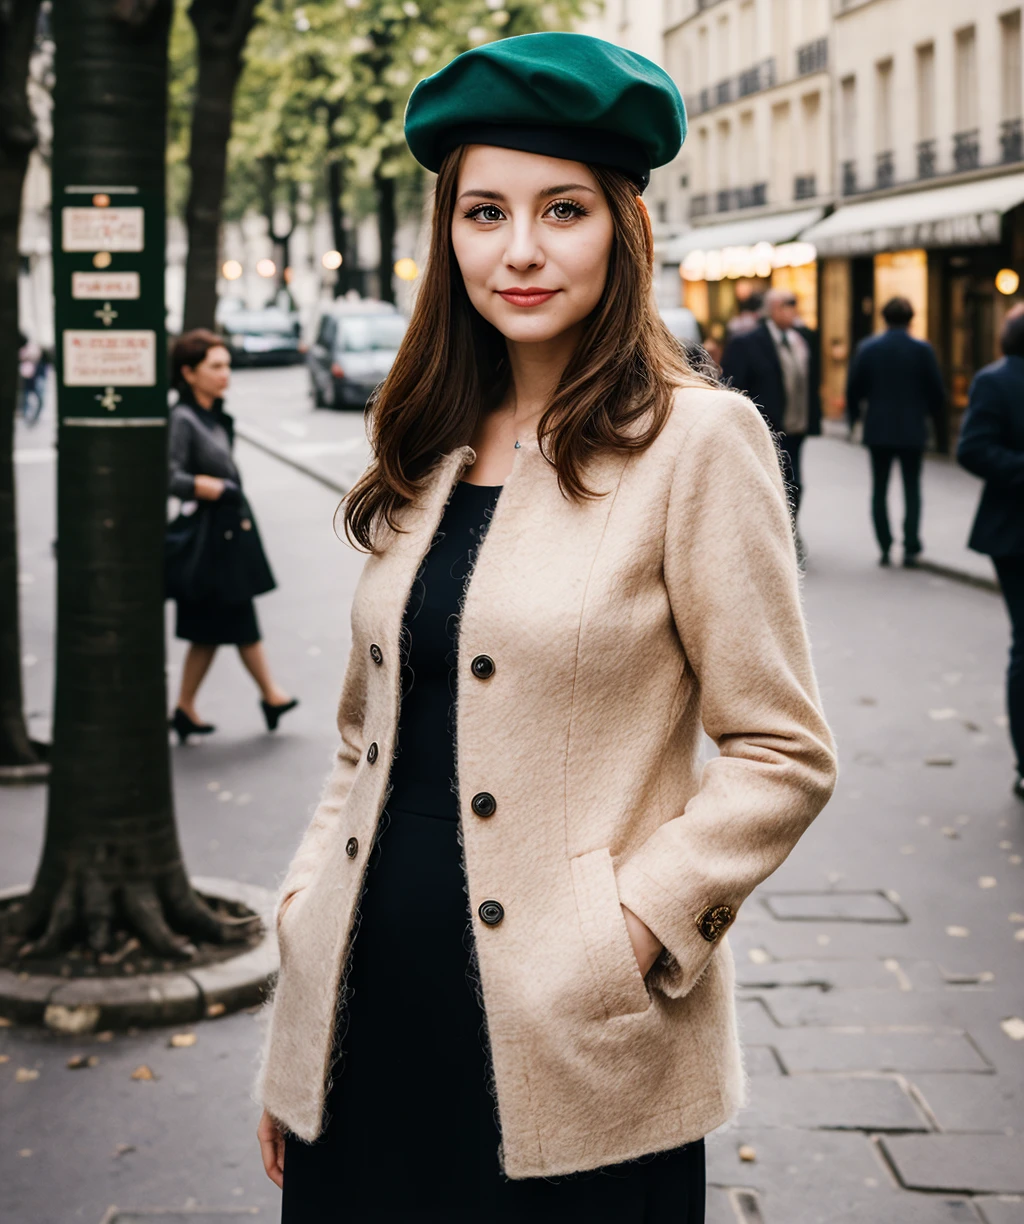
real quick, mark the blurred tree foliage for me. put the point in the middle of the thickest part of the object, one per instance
(319, 107)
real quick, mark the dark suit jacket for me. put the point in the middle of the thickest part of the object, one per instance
(992, 447)
(751, 364)
(900, 380)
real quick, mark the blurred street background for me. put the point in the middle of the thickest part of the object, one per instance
(843, 151)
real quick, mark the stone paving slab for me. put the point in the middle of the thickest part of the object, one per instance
(832, 1102)
(825, 974)
(833, 907)
(1002, 1210)
(761, 1061)
(824, 1177)
(811, 1049)
(974, 1102)
(981, 1164)
(954, 1008)
(174, 1215)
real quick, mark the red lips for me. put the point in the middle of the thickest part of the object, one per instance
(527, 297)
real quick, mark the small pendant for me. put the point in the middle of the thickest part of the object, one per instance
(517, 447)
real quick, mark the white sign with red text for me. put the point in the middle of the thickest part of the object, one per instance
(107, 286)
(109, 359)
(101, 229)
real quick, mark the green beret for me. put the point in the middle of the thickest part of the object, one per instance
(562, 95)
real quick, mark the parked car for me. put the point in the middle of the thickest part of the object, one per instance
(263, 337)
(356, 345)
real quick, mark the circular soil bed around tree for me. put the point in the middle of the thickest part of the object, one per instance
(82, 993)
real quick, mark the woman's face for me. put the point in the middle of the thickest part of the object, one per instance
(532, 236)
(212, 376)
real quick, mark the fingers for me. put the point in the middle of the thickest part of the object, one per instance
(271, 1149)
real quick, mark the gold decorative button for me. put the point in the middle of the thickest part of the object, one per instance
(713, 921)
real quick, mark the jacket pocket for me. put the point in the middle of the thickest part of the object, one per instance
(610, 953)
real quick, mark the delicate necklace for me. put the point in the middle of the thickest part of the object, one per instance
(517, 446)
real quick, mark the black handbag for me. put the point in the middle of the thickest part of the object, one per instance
(215, 555)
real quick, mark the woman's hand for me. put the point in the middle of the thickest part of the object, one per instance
(646, 945)
(271, 1149)
(208, 488)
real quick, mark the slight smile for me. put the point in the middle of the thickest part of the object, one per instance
(527, 297)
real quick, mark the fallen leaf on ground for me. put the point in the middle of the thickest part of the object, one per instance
(747, 1153)
(225, 796)
(143, 1073)
(1013, 1027)
(759, 956)
(106, 1035)
(907, 850)
(986, 881)
(939, 760)
(25, 1075)
(25, 1152)
(1006, 845)
(1014, 859)
(5, 1058)
(83, 1060)
(122, 1149)
(213, 786)
(1019, 935)
(216, 1009)
(824, 940)
(868, 701)
(941, 715)
(958, 932)
(181, 1041)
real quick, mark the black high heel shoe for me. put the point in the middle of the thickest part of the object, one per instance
(274, 713)
(184, 726)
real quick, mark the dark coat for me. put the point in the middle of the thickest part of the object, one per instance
(213, 555)
(751, 364)
(992, 447)
(900, 380)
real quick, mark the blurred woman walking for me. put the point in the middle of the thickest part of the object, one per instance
(215, 563)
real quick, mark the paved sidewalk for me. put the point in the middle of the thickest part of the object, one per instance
(881, 993)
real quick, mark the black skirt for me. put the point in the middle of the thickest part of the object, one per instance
(412, 1136)
(217, 624)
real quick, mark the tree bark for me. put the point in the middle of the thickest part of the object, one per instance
(17, 139)
(111, 859)
(346, 276)
(384, 186)
(222, 27)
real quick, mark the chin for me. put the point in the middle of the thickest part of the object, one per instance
(522, 329)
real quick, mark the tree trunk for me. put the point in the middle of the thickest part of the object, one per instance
(222, 27)
(17, 139)
(384, 186)
(111, 859)
(344, 280)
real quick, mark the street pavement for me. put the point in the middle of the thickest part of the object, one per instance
(881, 997)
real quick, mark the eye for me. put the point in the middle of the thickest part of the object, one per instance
(486, 212)
(566, 210)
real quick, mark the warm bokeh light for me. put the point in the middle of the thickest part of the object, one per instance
(406, 269)
(288, 274)
(101, 259)
(1007, 281)
(101, 200)
(231, 270)
(331, 260)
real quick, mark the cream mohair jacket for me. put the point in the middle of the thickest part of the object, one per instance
(620, 629)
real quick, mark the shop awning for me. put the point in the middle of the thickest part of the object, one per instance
(965, 214)
(775, 228)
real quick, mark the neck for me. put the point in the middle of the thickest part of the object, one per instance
(203, 399)
(536, 370)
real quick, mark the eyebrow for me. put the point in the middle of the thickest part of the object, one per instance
(548, 191)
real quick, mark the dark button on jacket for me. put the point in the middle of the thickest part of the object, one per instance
(352, 847)
(371, 753)
(376, 654)
(491, 912)
(482, 667)
(484, 804)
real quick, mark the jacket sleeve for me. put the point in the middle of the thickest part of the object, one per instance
(731, 575)
(935, 389)
(982, 449)
(181, 479)
(323, 828)
(856, 388)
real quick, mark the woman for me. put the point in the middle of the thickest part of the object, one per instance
(581, 559)
(223, 555)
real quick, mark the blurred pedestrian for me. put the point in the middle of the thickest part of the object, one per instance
(554, 641)
(778, 364)
(747, 317)
(215, 560)
(898, 379)
(992, 447)
(32, 371)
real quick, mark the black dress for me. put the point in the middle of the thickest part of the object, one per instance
(412, 1135)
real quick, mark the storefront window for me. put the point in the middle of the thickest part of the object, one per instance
(903, 274)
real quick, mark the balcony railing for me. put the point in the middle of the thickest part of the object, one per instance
(1011, 140)
(805, 187)
(700, 206)
(752, 80)
(812, 57)
(731, 199)
(927, 157)
(967, 150)
(885, 169)
(848, 174)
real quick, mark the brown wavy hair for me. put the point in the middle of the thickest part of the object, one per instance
(614, 394)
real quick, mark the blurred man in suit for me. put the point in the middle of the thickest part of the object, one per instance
(778, 364)
(992, 447)
(898, 378)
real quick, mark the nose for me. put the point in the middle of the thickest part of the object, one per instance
(523, 251)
